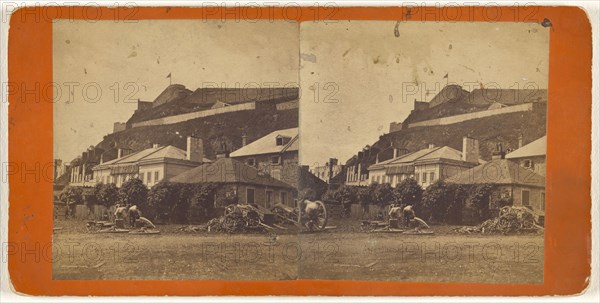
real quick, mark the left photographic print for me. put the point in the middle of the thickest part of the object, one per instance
(175, 149)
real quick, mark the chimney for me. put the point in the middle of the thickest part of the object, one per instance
(431, 146)
(244, 140)
(520, 140)
(377, 158)
(101, 158)
(119, 153)
(499, 153)
(195, 149)
(155, 145)
(470, 150)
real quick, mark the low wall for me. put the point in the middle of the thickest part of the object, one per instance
(195, 115)
(371, 212)
(287, 105)
(475, 115)
(99, 212)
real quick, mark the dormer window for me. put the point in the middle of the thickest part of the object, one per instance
(528, 163)
(282, 140)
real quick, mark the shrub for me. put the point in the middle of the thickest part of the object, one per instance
(133, 191)
(183, 194)
(457, 194)
(363, 194)
(72, 195)
(477, 204)
(382, 194)
(106, 194)
(408, 192)
(436, 200)
(343, 195)
(202, 202)
(161, 199)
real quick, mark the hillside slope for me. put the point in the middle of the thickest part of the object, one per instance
(503, 129)
(215, 130)
(176, 99)
(454, 100)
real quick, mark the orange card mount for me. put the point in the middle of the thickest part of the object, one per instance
(568, 220)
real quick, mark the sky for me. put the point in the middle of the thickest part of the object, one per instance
(101, 68)
(355, 76)
(358, 76)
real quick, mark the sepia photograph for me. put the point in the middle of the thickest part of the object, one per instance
(178, 151)
(431, 137)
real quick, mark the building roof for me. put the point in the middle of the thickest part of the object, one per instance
(228, 170)
(162, 152)
(535, 148)
(267, 144)
(499, 171)
(426, 154)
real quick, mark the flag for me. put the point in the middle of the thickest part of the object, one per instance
(445, 77)
(169, 76)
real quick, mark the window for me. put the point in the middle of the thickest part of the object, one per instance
(424, 178)
(283, 197)
(250, 195)
(276, 173)
(155, 176)
(149, 177)
(525, 198)
(251, 161)
(282, 140)
(543, 201)
(527, 163)
(431, 177)
(275, 160)
(269, 199)
(142, 177)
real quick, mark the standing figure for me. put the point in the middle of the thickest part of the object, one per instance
(409, 214)
(134, 214)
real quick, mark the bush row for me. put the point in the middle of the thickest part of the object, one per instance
(441, 202)
(165, 201)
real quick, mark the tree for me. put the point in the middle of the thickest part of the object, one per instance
(347, 195)
(202, 202)
(458, 193)
(161, 199)
(408, 192)
(364, 196)
(133, 191)
(381, 194)
(106, 194)
(182, 194)
(436, 200)
(476, 207)
(72, 195)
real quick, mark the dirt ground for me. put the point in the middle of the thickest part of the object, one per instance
(345, 253)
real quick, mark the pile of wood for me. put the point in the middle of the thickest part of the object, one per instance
(234, 222)
(511, 220)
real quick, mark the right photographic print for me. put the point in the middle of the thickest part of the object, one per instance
(431, 140)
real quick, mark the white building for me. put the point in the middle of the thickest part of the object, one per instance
(151, 165)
